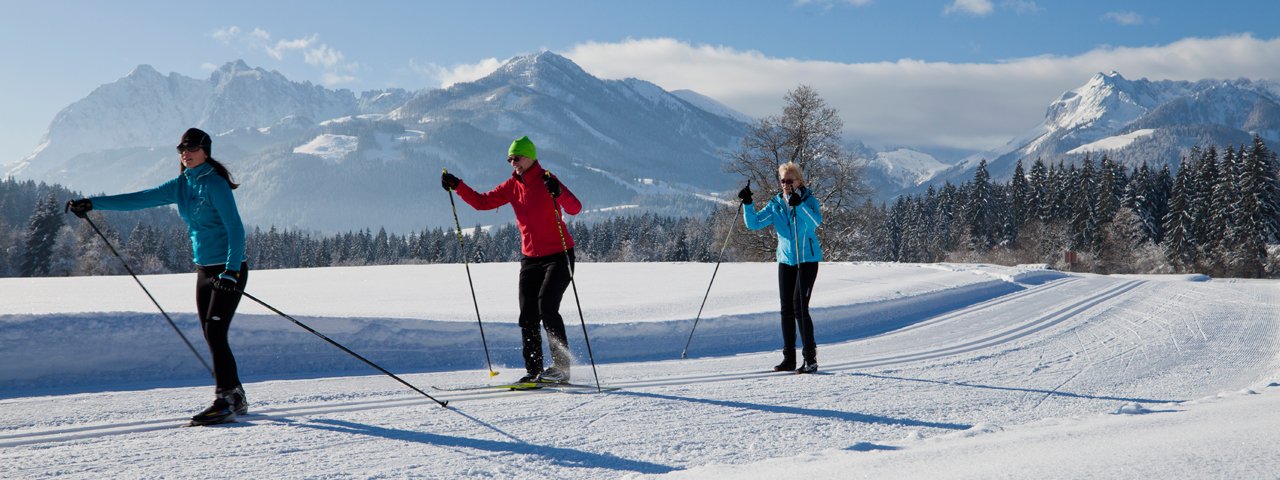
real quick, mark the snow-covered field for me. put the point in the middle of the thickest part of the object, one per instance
(928, 371)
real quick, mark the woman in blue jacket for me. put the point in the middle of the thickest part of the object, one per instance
(202, 192)
(795, 216)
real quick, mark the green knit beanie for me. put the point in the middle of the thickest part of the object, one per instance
(523, 147)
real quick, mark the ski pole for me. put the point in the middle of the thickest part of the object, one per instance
(565, 245)
(467, 265)
(345, 349)
(684, 353)
(144, 290)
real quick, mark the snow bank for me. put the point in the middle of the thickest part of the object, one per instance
(419, 318)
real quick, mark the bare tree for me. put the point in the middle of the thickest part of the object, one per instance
(807, 133)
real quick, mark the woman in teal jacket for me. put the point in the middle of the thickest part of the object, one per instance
(795, 216)
(202, 192)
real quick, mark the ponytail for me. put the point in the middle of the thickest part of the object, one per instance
(218, 168)
(222, 172)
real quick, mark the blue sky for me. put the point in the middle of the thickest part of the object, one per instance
(942, 73)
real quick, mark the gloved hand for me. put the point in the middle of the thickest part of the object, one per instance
(745, 195)
(227, 281)
(80, 207)
(795, 199)
(553, 184)
(449, 182)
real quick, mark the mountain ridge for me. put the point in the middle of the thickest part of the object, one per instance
(285, 141)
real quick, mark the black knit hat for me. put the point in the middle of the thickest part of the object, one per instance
(196, 136)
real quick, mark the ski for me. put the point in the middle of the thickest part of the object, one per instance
(521, 386)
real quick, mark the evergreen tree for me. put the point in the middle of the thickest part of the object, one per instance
(1041, 202)
(42, 232)
(1181, 243)
(1111, 185)
(981, 213)
(1263, 169)
(1020, 200)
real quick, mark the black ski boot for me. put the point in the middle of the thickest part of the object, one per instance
(788, 362)
(226, 406)
(238, 401)
(220, 412)
(530, 378)
(555, 374)
(808, 367)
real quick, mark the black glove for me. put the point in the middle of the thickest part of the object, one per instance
(745, 195)
(79, 207)
(448, 181)
(795, 199)
(227, 281)
(553, 184)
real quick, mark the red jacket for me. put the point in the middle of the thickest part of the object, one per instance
(540, 225)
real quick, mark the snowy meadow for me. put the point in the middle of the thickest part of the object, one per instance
(927, 371)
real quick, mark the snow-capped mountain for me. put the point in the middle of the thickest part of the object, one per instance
(901, 168)
(147, 109)
(330, 160)
(1136, 121)
(630, 128)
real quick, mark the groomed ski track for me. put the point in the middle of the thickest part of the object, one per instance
(991, 339)
(1076, 345)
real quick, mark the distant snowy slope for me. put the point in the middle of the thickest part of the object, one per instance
(711, 105)
(1136, 121)
(907, 168)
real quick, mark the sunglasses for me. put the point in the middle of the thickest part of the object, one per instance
(187, 148)
(514, 159)
(786, 181)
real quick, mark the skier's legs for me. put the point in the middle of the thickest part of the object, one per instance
(808, 275)
(786, 294)
(550, 295)
(216, 309)
(531, 278)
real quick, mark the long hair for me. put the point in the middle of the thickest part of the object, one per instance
(218, 167)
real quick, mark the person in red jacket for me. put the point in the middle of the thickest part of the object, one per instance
(536, 196)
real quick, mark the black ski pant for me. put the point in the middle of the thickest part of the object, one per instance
(542, 284)
(795, 309)
(216, 308)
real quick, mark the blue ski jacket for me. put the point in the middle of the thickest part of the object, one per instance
(786, 221)
(205, 203)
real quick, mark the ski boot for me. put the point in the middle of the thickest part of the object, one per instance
(555, 374)
(808, 367)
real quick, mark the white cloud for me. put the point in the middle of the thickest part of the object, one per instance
(226, 35)
(1022, 6)
(285, 46)
(330, 60)
(259, 35)
(971, 7)
(208, 67)
(323, 56)
(1125, 18)
(962, 105)
(446, 76)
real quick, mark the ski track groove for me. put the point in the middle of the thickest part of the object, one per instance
(1005, 336)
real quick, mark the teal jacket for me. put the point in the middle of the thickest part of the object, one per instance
(205, 202)
(807, 218)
